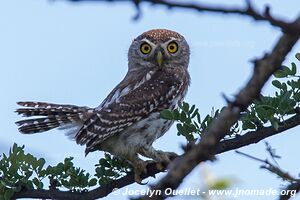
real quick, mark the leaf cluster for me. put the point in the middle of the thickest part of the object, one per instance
(20, 170)
(274, 109)
(263, 111)
(111, 168)
(189, 122)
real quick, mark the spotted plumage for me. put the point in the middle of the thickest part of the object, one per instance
(128, 121)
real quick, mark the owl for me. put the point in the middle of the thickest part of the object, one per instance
(128, 121)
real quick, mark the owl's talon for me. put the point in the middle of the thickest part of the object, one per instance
(138, 179)
(139, 169)
(160, 166)
(172, 155)
(166, 157)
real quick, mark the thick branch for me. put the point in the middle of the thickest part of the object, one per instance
(247, 10)
(292, 189)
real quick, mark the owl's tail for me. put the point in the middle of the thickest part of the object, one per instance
(46, 116)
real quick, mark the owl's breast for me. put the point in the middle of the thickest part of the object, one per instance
(146, 131)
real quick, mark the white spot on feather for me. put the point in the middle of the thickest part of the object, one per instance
(148, 76)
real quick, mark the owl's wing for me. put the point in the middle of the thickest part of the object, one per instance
(153, 95)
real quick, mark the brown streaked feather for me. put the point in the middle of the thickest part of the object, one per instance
(55, 116)
(49, 105)
(159, 35)
(132, 107)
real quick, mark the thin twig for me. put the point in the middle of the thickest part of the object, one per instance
(270, 167)
(247, 10)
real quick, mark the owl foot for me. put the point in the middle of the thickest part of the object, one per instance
(140, 168)
(163, 158)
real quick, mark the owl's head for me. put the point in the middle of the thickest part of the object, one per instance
(158, 48)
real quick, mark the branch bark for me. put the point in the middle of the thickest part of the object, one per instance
(292, 187)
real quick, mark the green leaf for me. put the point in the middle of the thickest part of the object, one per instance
(297, 97)
(276, 83)
(284, 86)
(104, 163)
(181, 129)
(185, 107)
(192, 109)
(248, 125)
(110, 173)
(280, 74)
(8, 194)
(183, 117)
(41, 162)
(196, 112)
(100, 171)
(274, 123)
(176, 115)
(287, 70)
(92, 182)
(166, 114)
(36, 182)
(294, 69)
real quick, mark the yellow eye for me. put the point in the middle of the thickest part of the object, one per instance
(145, 48)
(172, 47)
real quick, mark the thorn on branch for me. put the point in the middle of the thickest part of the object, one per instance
(248, 3)
(188, 146)
(228, 101)
(257, 61)
(267, 12)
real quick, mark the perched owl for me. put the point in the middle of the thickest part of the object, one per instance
(128, 121)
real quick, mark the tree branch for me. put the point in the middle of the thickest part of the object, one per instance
(247, 10)
(291, 188)
(218, 129)
(252, 137)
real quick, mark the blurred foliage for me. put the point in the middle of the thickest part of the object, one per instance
(20, 170)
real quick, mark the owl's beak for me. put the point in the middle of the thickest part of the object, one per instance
(159, 58)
